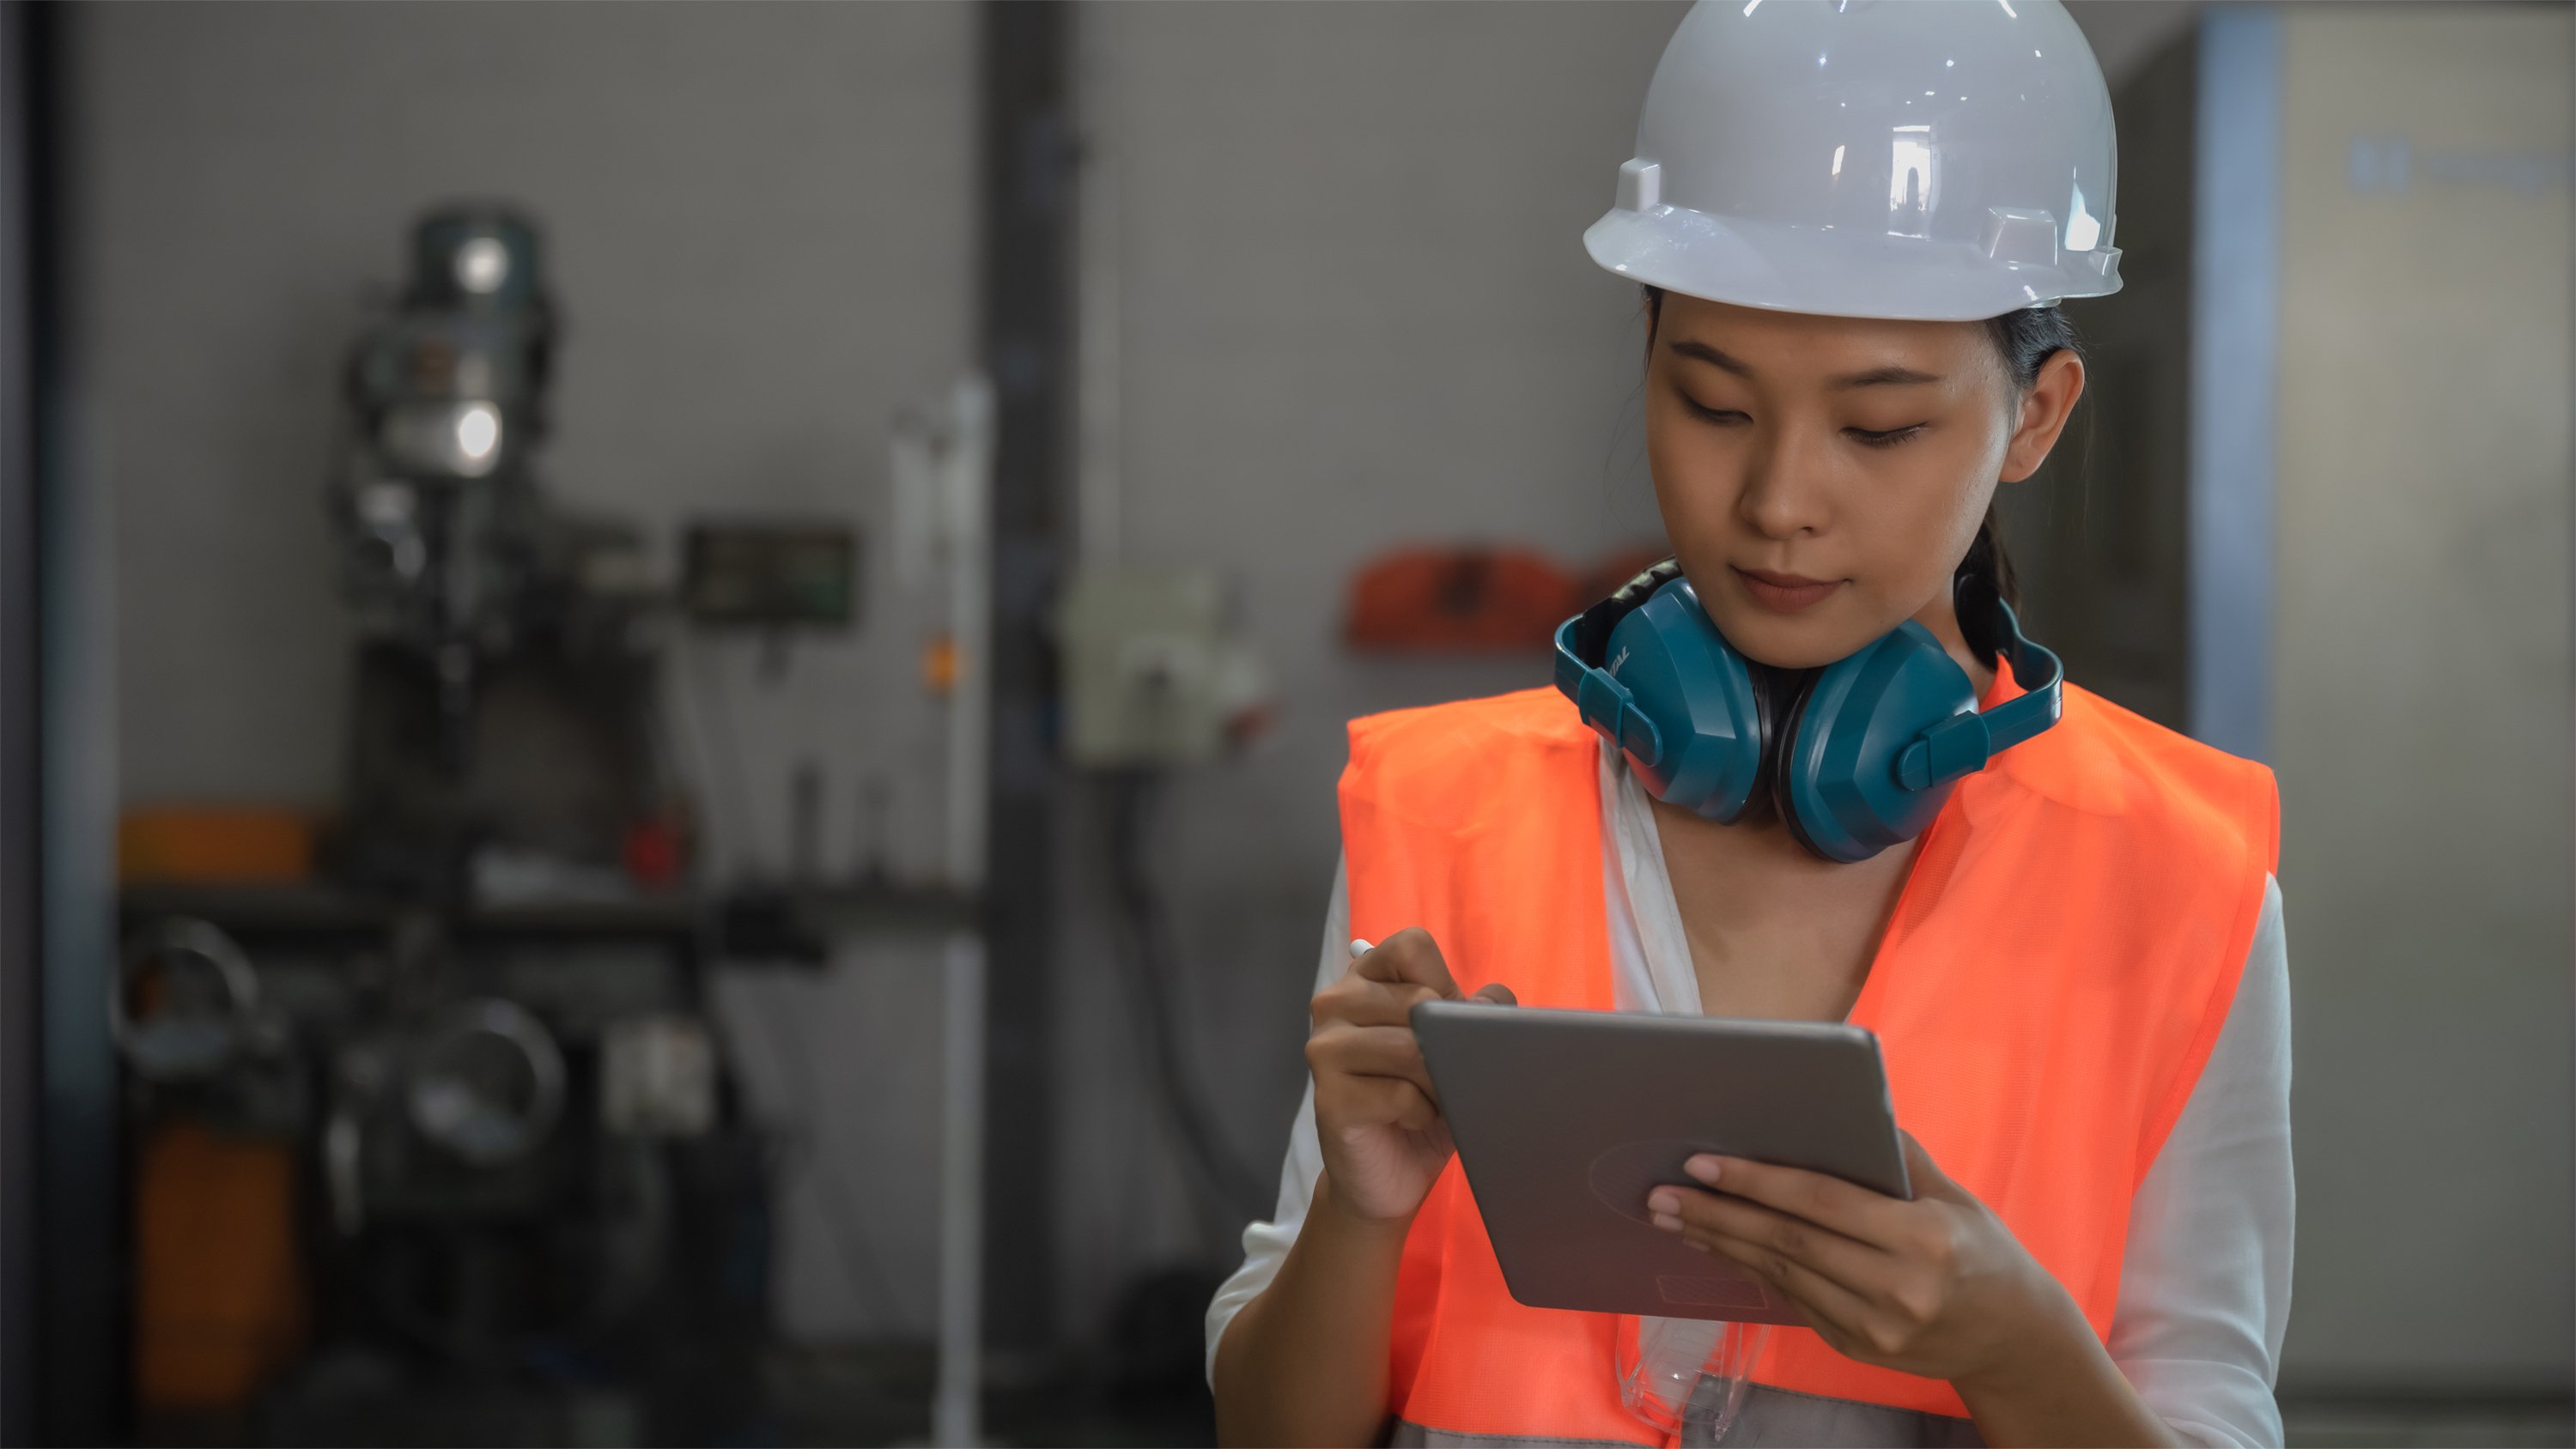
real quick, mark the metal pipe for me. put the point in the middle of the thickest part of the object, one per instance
(957, 1402)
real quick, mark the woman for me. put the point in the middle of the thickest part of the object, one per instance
(1853, 224)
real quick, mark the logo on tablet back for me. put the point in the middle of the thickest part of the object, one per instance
(1622, 1176)
(1711, 1292)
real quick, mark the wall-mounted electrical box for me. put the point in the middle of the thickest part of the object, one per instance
(1153, 674)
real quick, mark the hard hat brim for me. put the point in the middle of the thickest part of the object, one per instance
(1829, 272)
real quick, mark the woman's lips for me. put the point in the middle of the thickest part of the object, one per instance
(1785, 593)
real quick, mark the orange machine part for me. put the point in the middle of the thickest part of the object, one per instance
(1607, 573)
(228, 845)
(1457, 599)
(219, 1292)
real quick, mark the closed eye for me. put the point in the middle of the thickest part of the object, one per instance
(1707, 414)
(1888, 438)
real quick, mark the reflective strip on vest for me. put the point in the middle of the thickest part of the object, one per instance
(2055, 973)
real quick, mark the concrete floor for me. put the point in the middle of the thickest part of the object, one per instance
(2389, 1421)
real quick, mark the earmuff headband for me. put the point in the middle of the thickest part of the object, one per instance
(1963, 743)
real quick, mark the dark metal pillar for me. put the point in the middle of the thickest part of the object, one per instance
(1027, 342)
(21, 1076)
(65, 1312)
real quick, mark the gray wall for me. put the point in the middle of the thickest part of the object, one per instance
(2421, 712)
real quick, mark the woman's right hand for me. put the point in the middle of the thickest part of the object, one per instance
(1376, 1116)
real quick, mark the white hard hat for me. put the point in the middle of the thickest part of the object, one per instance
(1939, 159)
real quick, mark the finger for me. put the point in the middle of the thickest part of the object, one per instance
(1374, 1051)
(1820, 1198)
(1833, 1310)
(1497, 993)
(1390, 1101)
(1705, 1217)
(1370, 1003)
(1924, 1175)
(1409, 956)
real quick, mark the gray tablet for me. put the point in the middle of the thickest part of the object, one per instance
(1564, 1121)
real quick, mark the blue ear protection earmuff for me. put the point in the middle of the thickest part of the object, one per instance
(1856, 756)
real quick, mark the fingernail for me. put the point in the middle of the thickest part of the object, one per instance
(1664, 1202)
(1695, 1245)
(1703, 1167)
(1360, 948)
(1668, 1222)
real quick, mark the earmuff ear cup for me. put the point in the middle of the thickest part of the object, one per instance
(1838, 769)
(1701, 744)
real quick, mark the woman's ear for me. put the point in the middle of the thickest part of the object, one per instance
(2044, 411)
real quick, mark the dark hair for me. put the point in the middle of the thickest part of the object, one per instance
(2027, 339)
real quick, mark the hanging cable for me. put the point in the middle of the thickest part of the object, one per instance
(1231, 1191)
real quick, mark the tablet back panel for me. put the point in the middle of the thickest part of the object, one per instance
(1564, 1121)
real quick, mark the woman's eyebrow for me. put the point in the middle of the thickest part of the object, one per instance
(1711, 356)
(1882, 377)
(1891, 375)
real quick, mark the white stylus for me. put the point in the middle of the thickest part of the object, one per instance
(1360, 948)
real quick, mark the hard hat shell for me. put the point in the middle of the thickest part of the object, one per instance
(1934, 159)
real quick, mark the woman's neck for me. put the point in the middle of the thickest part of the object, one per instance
(1775, 932)
(1942, 618)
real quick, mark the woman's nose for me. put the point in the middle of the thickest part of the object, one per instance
(1785, 492)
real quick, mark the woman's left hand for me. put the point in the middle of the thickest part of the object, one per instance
(1937, 1286)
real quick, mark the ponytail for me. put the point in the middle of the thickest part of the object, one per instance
(1987, 561)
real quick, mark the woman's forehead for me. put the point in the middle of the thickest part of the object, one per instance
(1759, 344)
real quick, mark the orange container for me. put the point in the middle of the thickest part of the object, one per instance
(229, 845)
(219, 1304)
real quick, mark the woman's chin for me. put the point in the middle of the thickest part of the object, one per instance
(1794, 643)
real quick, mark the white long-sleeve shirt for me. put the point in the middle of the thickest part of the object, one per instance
(2205, 1280)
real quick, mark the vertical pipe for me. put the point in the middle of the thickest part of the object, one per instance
(2235, 262)
(956, 1408)
(966, 503)
(956, 1404)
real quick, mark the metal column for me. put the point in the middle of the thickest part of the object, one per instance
(1027, 343)
(21, 1075)
(62, 1265)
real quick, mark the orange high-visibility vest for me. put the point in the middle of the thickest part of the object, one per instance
(2053, 977)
